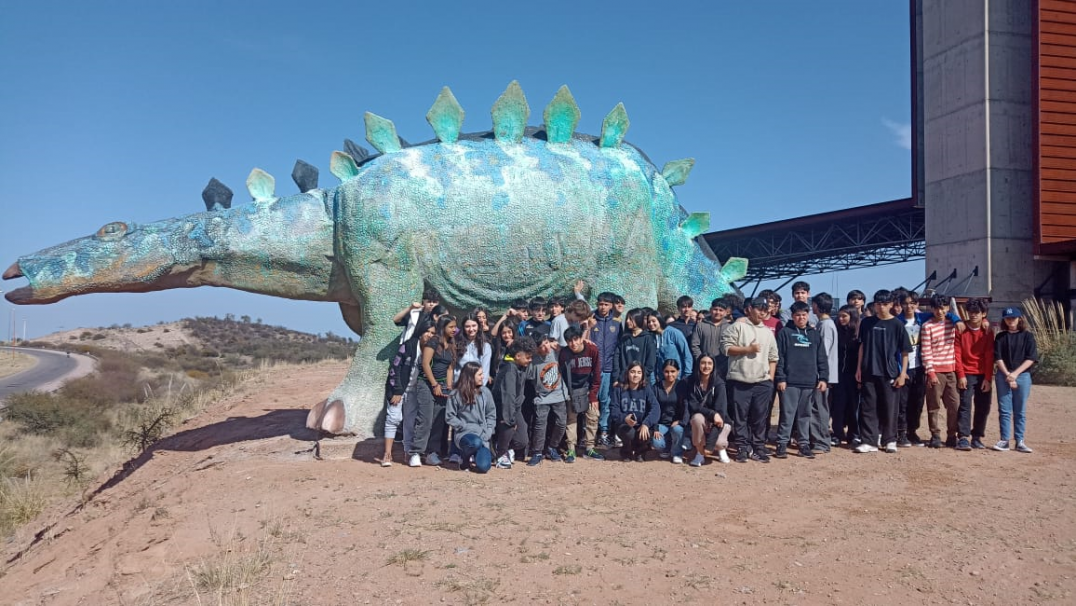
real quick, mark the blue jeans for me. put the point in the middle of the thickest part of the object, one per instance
(672, 439)
(1012, 404)
(473, 446)
(603, 402)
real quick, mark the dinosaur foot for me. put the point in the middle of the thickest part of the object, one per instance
(327, 417)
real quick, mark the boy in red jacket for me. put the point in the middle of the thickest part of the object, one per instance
(582, 365)
(974, 369)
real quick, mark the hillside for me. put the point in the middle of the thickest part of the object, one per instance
(241, 342)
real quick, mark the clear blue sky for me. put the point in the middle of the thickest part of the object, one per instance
(123, 110)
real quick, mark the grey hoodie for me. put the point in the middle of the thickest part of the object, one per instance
(479, 418)
(549, 385)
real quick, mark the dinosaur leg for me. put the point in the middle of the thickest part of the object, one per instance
(356, 404)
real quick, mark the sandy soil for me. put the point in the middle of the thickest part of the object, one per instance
(126, 339)
(13, 363)
(237, 489)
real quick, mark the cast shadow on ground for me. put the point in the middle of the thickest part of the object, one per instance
(274, 423)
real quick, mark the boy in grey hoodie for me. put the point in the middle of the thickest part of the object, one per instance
(550, 396)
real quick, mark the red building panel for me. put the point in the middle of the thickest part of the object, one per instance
(1055, 127)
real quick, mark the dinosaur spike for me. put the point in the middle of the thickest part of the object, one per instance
(735, 268)
(510, 114)
(343, 166)
(676, 172)
(381, 133)
(615, 126)
(216, 195)
(446, 116)
(261, 185)
(695, 224)
(357, 152)
(561, 116)
(305, 176)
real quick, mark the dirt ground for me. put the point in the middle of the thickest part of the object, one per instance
(13, 363)
(236, 500)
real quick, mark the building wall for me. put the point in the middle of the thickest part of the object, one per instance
(1055, 82)
(978, 156)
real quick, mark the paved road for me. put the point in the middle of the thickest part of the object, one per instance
(50, 372)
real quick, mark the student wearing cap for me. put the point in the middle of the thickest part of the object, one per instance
(1015, 353)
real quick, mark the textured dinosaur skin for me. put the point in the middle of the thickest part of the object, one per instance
(485, 219)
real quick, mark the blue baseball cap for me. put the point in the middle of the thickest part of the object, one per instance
(1011, 312)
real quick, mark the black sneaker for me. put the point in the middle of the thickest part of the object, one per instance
(834, 443)
(903, 441)
(603, 439)
(963, 444)
(639, 457)
(742, 456)
(950, 442)
(805, 452)
(935, 442)
(781, 452)
(977, 444)
(914, 439)
(761, 457)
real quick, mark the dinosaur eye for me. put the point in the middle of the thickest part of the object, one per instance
(112, 231)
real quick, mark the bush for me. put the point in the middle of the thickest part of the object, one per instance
(77, 424)
(1056, 343)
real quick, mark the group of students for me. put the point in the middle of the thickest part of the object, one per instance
(707, 380)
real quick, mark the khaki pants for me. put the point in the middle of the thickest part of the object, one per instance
(579, 400)
(944, 392)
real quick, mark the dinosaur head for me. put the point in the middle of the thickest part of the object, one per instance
(118, 257)
(281, 247)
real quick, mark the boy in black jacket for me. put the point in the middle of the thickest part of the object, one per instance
(802, 368)
(508, 394)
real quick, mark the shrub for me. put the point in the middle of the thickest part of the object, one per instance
(1055, 340)
(76, 423)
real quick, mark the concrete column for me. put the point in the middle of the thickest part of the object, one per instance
(977, 150)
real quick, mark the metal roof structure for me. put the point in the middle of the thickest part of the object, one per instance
(864, 236)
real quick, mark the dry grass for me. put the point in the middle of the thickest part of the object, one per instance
(231, 575)
(21, 500)
(1055, 340)
(12, 363)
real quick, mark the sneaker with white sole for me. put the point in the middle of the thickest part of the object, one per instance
(504, 462)
(891, 447)
(698, 460)
(1002, 445)
(512, 455)
(415, 461)
(386, 462)
(723, 456)
(677, 460)
(433, 459)
(865, 447)
(1022, 446)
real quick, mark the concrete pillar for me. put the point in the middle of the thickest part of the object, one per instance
(977, 103)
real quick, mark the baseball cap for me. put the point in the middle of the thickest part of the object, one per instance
(1011, 312)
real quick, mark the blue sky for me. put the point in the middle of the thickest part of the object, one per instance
(124, 110)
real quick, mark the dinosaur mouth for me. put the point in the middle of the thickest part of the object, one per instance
(13, 272)
(19, 295)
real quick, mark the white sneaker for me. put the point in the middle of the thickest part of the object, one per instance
(1002, 445)
(677, 460)
(891, 447)
(415, 461)
(864, 447)
(1021, 446)
(723, 456)
(503, 462)
(512, 455)
(618, 442)
(698, 460)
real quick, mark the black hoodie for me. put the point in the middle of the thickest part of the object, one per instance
(801, 358)
(631, 348)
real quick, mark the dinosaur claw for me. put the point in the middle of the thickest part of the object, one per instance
(13, 272)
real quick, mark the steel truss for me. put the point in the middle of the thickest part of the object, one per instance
(870, 236)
